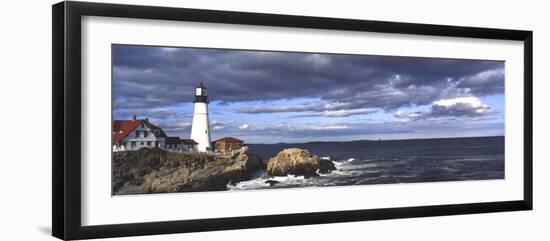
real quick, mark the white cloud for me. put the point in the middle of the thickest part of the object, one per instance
(280, 108)
(318, 60)
(169, 50)
(244, 127)
(473, 101)
(341, 113)
(216, 125)
(485, 77)
(173, 124)
(312, 109)
(445, 108)
(312, 126)
(330, 127)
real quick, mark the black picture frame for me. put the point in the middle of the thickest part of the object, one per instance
(66, 159)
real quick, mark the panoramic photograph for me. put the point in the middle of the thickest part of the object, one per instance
(187, 119)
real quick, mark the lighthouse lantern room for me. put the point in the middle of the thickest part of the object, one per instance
(200, 131)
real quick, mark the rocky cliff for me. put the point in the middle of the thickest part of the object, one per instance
(298, 162)
(158, 171)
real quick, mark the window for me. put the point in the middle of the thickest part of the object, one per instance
(145, 133)
(133, 143)
(148, 143)
(137, 133)
(142, 125)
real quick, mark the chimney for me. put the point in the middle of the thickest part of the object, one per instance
(134, 117)
(147, 119)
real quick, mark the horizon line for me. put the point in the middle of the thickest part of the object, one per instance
(374, 140)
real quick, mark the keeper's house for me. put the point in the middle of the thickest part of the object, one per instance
(228, 144)
(177, 144)
(173, 143)
(136, 133)
(189, 144)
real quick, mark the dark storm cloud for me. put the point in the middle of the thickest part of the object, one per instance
(282, 108)
(484, 83)
(339, 113)
(153, 77)
(316, 109)
(151, 113)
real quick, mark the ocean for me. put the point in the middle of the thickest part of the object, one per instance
(391, 161)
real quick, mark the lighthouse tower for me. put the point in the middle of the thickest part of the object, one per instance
(200, 131)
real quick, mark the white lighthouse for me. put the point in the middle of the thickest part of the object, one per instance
(200, 131)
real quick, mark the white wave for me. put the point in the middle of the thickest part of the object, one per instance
(337, 164)
(347, 165)
(345, 168)
(473, 159)
(360, 166)
(339, 172)
(250, 184)
(326, 158)
(367, 180)
(260, 183)
(448, 169)
(288, 178)
(342, 162)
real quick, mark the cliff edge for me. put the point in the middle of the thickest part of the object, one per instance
(158, 171)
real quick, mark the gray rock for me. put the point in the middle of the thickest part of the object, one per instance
(271, 182)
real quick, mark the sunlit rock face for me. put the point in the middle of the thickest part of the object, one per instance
(298, 162)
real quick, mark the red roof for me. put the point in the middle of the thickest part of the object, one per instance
(189, 142)
(122, 128)
(228, 139)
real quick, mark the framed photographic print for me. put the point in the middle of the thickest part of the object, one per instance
(170, 120)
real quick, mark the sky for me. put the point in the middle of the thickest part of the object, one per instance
(274, 97)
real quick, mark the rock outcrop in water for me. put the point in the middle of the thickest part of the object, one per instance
(298, 162)
(157, 171)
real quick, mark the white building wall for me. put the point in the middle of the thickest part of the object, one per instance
(181, 148)
(200, 131)
(145, 136)
(190, 147)
(173, 147)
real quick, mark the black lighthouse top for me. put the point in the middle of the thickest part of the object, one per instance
(200, 94)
